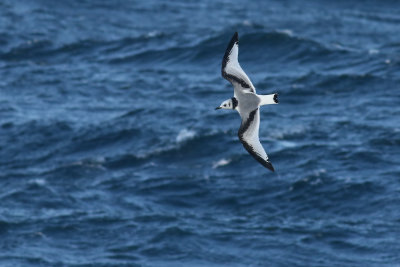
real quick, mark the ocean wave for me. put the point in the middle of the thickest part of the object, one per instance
(221, 162)
(171, 232)
(289, 132)
(186, 147)
(185, 135)
(281, 44)
(33, 142)
(319, 83)
(375, 16)
(156, 47)
(47, 49)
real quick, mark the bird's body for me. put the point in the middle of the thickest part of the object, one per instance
(246, 102)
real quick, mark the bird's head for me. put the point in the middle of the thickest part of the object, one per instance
(228, 104)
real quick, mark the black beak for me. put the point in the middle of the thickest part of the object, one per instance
(217, 108)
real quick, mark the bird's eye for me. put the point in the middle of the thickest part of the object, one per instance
(224, 105)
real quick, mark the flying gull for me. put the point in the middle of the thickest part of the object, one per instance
(246, 102)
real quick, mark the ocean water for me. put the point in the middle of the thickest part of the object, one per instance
(111, 152)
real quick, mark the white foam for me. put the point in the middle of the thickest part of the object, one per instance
(287, 144)
(296, 85)
(185, 135)
(221, 162)
(373, 51)
(246, 22)
(292, 130)
(286, 31)
(96, 163)
(318, 172)
(153, 34)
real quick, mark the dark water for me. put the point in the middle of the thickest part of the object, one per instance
(111, 152)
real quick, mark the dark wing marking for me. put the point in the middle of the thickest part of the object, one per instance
(231, 69)
(248, 136)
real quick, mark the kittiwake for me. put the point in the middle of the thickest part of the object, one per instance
(246, 102)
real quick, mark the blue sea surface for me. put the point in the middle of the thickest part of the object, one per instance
(111, 152)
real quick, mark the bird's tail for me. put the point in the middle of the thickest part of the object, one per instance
(268, 99)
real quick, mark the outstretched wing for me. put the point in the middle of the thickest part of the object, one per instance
(231, 69)
(248, 135)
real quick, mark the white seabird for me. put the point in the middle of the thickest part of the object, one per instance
(246, 102)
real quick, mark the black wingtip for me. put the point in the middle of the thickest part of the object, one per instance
(233, 41)
(235, 37)
(269, 166)
(276, 98)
